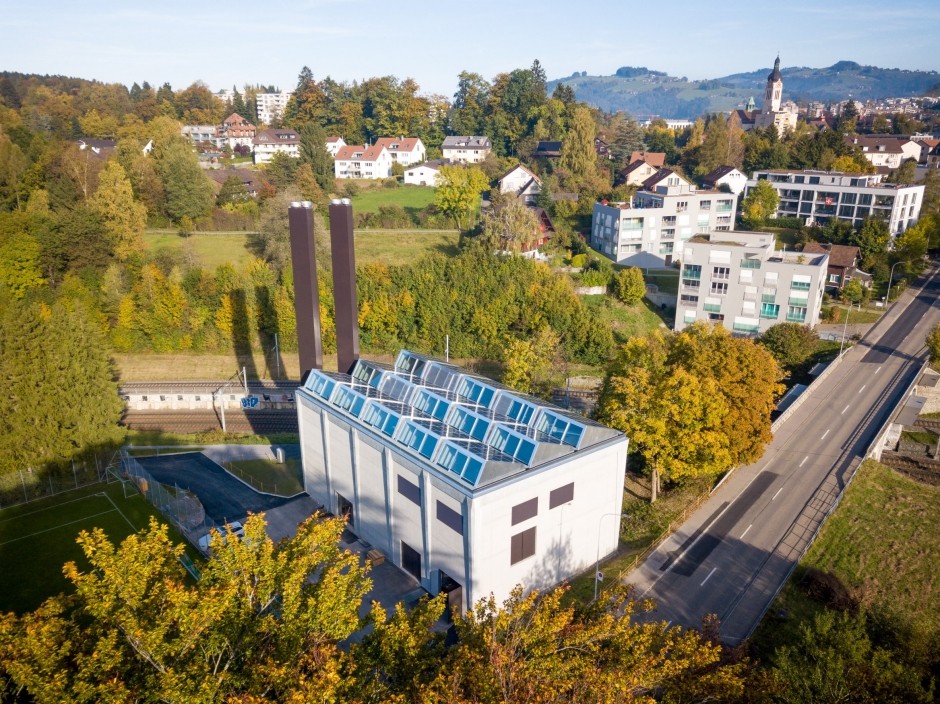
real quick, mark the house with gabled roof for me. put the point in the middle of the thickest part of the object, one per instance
(886, 150)
(236, 131)
(426, 174)
(727, 176)
(843, 263)
(466, 149)
(666, 181)
(522, 183)
(333, 145)
(362, 161)
(267, 143)
(468, 486)
(403, 150)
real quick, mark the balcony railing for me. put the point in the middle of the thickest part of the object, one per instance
(712, 308)
(796, 318)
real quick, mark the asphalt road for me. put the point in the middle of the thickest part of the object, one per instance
(733, 554)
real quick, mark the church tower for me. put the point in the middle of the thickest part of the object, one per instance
(774, 91)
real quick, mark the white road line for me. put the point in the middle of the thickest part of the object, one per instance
(845, 409)
(878, 369)
(804, 460)
(825, 434)
(745, 531)
(777, 494)
(863, 388)
(709, 575)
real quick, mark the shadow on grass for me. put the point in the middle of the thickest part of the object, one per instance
(143, 438)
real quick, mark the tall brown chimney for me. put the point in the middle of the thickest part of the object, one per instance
(344, 284)
(306, 296)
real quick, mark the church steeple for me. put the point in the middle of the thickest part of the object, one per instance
(774, 91)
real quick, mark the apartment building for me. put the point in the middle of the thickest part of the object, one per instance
(270, 106)
(466, 149)
(406, 151)
(468, 486)
(741, 281)
(267, 143)
(818, 196)
(648, 231)
(360, 161)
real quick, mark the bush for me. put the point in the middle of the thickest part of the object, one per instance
(579, 261)
(350, 189)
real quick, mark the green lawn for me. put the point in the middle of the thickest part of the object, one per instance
(625, 321)
(408, 197)
(865, 316)
(881, 546)
(269, 476)
(396, 247)
(38, 538)
(206, 249)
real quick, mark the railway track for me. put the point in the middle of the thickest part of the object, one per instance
(170, 421)
(208, 386)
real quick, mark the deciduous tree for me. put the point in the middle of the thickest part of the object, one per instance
(759, 204)
(791, 344)
(458, 192)
(123, 216)
(629, 286)
(188, 191)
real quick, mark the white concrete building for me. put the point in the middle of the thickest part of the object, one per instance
(206, 134)
(270, 106)
(818, 196)
(726, 176)
(466, 149)
(522, 183)
(740, 280)
(267, 143)
(334, 144)
(426, 174)
(649, 230)
(403, 150)
(886, 151)
(356, 161)
(458, 480)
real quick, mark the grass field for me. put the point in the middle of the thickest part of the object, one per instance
(625, 321)
(269, 476)
(865, 316)
(667, 281)
(397, 247)
(207, 250)
(38, 538)
(882, 545)
(408, 197)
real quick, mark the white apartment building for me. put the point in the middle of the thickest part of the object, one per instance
(818, 196)
(334, 144)
(886, 151)
(403, 150)
(267, 143)
(740, 280)
(270, 106)
(468, 486)
(466, 149)
(202, 133)
(358, 161)
(649, 230)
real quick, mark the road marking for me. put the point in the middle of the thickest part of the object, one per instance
(877, 370)
(777, 494)
(745, 532)
(845, 409)
(863, 388)
(709, 575)
(804, 460)
(825, 434)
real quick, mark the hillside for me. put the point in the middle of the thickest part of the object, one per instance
(644, 92)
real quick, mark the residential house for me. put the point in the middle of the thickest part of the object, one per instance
(657, 159)
(742, 281)
(522, 183)
(269, 142)
(403, 150)
(271, 106)
(469, 487)
(933, 158)
(636, 173)
(334, 144)
(602, 149)
(547, 150)
(843, 263)
(355, 161)
(886, 150)
(818, 196)
(649, 230)
(426, 174)
(726, 176)
(206, 135)
(249, 178)
(466, 149)
(237, 131)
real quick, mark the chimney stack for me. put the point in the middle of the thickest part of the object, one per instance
(306, 295)
(344, 284)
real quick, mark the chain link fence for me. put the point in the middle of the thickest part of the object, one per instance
(28, 485)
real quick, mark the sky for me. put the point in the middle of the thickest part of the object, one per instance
(432, 41)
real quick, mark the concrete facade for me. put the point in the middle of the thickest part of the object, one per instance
(649, 230)
(739, 279)
(818, 196)
(270, 106)
(466, 149)
(459, 480)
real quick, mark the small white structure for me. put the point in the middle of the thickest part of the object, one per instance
(403, 150)
(726, 176)
(270, 106)
(426, 174)
(522, 183)
(741, 281)
(469, 487)
(355, 161)
(466, 149)
(334, 144)
(267, 143)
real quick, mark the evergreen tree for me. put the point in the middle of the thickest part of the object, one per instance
(188, 191)
(313, 152)
(578, 156)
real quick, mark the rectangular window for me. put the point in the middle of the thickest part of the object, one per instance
(688, 299)
(721, 272)
(450, 518)
(750, 263)
(525, 510)
(410, 491)
(769, 310)
(522, 546)
(719, 288)
(692, 271)
(561, 495)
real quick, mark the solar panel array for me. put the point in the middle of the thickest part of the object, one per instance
(453, 420)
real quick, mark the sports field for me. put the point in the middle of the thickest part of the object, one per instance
(38, 538)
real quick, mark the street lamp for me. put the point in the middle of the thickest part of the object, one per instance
(597, 562)
(890, 279)
(845, 327)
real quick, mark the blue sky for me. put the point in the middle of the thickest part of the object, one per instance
(237, 42)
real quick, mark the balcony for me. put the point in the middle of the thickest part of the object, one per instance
(796, 317)
(768, 298)
(745, 327)
(712, 308)
(800, 285)
(797, 302)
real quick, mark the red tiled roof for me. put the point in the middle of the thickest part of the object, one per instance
(839, 254)
(403, 144)
(358, 152)
(651, 158)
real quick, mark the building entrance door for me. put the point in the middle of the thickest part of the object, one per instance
(345, 508)
(411, 560)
